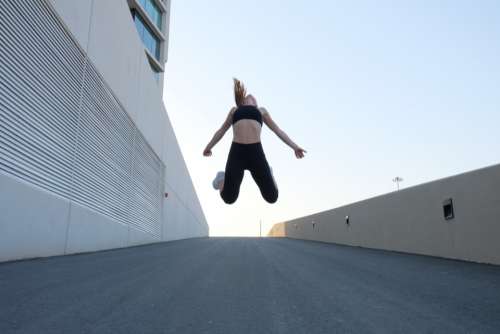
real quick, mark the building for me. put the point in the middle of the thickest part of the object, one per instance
(88, 156)
(152, 18)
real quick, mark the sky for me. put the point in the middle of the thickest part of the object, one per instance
(371, 89)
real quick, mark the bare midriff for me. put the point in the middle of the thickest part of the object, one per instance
(246, 131)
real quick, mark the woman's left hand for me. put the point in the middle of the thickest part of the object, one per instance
(299, 152)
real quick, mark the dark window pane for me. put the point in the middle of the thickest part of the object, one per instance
(157, 51)
(151, 43)
(147, 40)
(154, 16)
(158, 21)
(153, 12)
(139, 26)
(148, 7)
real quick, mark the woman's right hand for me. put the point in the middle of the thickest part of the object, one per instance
(207, 152)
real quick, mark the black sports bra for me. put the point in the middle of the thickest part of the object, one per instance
(247, 112)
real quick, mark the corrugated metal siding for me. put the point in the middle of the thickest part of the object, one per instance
(62, 128)
(146, 171)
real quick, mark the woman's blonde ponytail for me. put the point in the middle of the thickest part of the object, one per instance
(239, 92)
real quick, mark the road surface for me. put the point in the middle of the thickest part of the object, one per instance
(248, 285)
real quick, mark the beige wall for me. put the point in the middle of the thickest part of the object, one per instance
(412, 220)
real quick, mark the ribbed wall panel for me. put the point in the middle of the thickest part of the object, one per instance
(105, 151)
(145, 205)
(62, 128)
(38, 121)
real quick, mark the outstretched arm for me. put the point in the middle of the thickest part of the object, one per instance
(299, 152)
(219, 133)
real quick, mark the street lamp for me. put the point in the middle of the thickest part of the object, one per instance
(397, 179)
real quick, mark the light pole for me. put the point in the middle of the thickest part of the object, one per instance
(260, 228)
(397, 179)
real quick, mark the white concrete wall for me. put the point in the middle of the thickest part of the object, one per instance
(34, 222)
(115, 48)
(412, 220)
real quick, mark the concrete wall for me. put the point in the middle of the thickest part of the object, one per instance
(412, 220)
(35, 222)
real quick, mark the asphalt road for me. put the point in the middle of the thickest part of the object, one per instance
(248, 285)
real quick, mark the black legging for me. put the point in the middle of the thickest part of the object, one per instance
(251, 157)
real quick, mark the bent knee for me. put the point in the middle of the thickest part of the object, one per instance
(273, 198)
(229, 199)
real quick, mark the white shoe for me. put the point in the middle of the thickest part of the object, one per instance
(219, 177)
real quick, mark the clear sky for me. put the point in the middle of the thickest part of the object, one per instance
(371, 89)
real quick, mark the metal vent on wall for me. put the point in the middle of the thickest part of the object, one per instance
(61, 127)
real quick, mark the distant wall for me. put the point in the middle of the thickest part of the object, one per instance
(412, 220)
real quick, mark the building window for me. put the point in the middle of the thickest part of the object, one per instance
(148, 38)
(153, 11)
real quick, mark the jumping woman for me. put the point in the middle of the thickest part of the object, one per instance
(246, 149)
